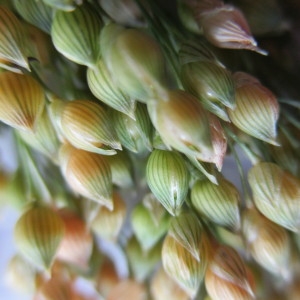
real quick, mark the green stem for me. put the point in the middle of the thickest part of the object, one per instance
(36, 188)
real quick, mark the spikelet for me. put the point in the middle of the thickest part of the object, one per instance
(54, 288)
(257, 109)
(135, 133)
(227, 278)
(38, 233)
(128, 289)
(88, 174)
(183, 124)
(218, 203)
(162, 287)
(108, 223)
(226, 27)
(276, 194)
(107, 277)
(22, 100)
(168, 179)
(268, 243)
(212, 84)
(77, 244)
(76, 34)
(185, 253)
(88, 126)
(134, 60)
(36, 13)
(102, 86)
(13, 47)
(21, 275)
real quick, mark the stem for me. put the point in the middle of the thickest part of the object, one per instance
(36, 189)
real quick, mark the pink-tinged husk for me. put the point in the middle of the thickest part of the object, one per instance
(128, 289)
(227, 277)
(88, 174)
(162, 287)
(226, 27)
(183, 124)
(88, 126)
(107, 278)
(268, 243)
(77, 244)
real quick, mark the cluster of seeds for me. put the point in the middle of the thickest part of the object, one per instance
(122, 114)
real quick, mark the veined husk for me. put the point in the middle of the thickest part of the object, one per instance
(142, 263)
(227, 277)
(135, 133)
(268, 243)
(187, 230)
(168, 179)
(218, 203)
(21, 275)
(38, 233)
(102, 86)
(66, 5)
(135, 61)
(108, 223)
(147, 231)
(121, 169)
(88, 174)
(76, 34)
(87, 126)
(183, 124)
(128, 289)
(212, 84)
(257, 109)
(22, 100)
(163, 287)
(35, 12)
(44, 138)
(77, 244)
(196, 52)
(276, 194)
(182, 266)
(125, 12)
(226, 27)
(107, 277)
(13, 44)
